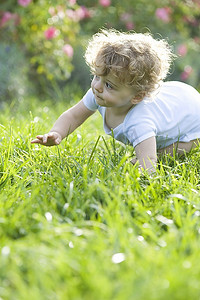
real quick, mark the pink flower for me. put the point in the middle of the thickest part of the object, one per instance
(72, 2)
(71, 14)
(163, 14)
(126, 17)
(50, 33)
(197, 39)
(182, 50)
(24, 2)
(7, 16)
(68, 50)
(16, 19)
(52, 11)
(130, 25)
(197, 2)
(186, 73)
(105, 3)
(191, 20)
(82, 13)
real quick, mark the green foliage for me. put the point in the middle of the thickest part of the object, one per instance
(78, 221)
(41, 32)
(13, 72)
(177, 21)
(48, 33)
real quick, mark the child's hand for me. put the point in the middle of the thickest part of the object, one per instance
(49, 139)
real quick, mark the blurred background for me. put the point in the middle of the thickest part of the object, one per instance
(42, 42)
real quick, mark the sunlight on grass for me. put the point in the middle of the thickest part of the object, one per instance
(78, 221)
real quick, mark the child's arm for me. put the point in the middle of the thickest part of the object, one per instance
(65, 124)
(146, 154)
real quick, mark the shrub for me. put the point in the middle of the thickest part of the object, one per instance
(48, 34)
(43, 34)
(178, 21)
(13, 71)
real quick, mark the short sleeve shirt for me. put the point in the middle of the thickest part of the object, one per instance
(173, 114)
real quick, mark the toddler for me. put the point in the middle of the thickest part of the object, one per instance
(136, 105)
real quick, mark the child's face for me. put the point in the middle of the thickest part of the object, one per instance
(110, 92)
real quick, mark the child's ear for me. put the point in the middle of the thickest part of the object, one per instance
(137, 99)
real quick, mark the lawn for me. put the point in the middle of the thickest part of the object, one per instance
(79, 222)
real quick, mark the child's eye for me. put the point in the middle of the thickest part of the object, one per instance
(108, 85)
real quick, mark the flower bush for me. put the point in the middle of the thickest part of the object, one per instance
(44, 34)
(48, 33)
(177, 21)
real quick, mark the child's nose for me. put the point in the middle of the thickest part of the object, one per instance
(98, 86)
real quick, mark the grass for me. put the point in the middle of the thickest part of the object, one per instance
(79, 222)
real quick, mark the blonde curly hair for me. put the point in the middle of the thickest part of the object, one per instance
(136, 59)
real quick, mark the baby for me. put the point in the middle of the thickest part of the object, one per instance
(137, 107)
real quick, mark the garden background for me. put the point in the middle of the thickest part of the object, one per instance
(78, 221)
(43, 42)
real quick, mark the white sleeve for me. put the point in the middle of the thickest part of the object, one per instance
(139, 128)
(138, 134)
(89, 100)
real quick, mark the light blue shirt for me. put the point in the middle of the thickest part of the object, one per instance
(173, 114)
